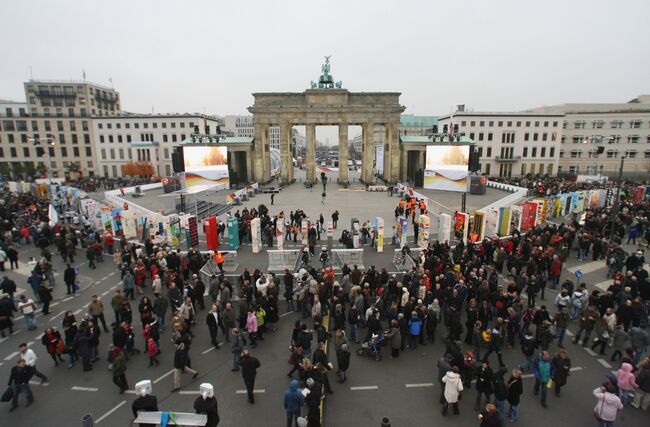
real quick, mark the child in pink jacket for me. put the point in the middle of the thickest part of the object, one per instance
(625, 382)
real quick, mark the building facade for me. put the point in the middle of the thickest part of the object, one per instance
(410, 125)
(128, 138)
(616, 129)
(511, 144)
(54, 126)
(240, 126)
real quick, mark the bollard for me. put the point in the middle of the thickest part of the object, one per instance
(385, 422)
(87, 421)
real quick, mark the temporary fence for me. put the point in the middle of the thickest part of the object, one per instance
(347, 256)
(281, 260)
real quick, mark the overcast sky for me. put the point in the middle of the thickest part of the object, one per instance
(191, 56)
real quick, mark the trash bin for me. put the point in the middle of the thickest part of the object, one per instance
(87, 421)
(385, 422)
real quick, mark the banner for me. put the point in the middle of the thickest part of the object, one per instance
(573, 206)
(279, 232)
(504, 221)
(129, 224)
(423, 231)
(478, 227)
(444, 228)
(491, 222)
(639, 193)
(525, 215)
(379, 229)
(461, 220)
(446, 167)
(516, 214)
(402, 227)
(256, 235)
(304, 230)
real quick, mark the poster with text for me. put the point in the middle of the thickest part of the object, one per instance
(516, 213)
(525, 214)
(206, 165)
(491, 223)
(446, 167)
(460, 226)
(504, 221)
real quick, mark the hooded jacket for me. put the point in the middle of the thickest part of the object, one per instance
(293, 398)
(453, 386)
(625, 378)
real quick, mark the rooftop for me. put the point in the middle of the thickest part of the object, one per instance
(129, 115)
(529, 113)
(227, 140)
(639, 104)
(423, 139)
(70, 82)
(410, 120)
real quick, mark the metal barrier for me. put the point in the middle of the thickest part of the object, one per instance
(347, 256)
(281, 260)
(405, 262)
(179, 419)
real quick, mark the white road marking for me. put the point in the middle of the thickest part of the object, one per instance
(129, 391)
(208, 350)
(604, 285)
(258, 391)
(590, 351)
(604, 363)
(19, 317)
(12, 355)
(367, 387)
(286, 314)
(16, 331)
(113, 287)
(34, 382)
(39, 336)
(3, 339)
(157, 380)
(54, 317)
(67, 299)
(54, 304)
(569, 333)
(418, 385)
(78, 311)
(75, 388)
(115, 408)
(105, 293)
(30, 343)
(189, 392)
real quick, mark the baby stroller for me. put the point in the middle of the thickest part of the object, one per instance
(371, 348)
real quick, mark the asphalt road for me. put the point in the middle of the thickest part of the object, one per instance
(404, 390)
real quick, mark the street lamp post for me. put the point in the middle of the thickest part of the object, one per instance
(617, 199)
(50, 142)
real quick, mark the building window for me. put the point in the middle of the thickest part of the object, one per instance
(136, 125)
(525, 152)
(533, 152)
(500, 124)
(509, 123)
(121, 152)
(61, 138)
(165, 138)
(128, 138)
(100, 126)
(75, 140)
(551, 152)
(536, 124)
(463, 123)
(542, 152)
(112, 151)
(480, 136)
(544, 136)
(576, 154)
(174, 138)
(526, 136)
(64, 152)
(545, 124)
(155, 125)
(481, 123)
(75, 151)
(26, 151)
(612, 154)
(535, 136)
(617, 124)
(118, 126)
(631, 154)
(480, 151)
(173, 125)
(471, 136)
(145, 125)
(119, 138)
(12, 150)
(518, 124)
(489, 152)
(598, 124)
(166, 153)
(101, 138)
(86, 138)
(633, 139)
(616, 139)
(553, 136)
(88, 152)
(646, 154)
(577, 139)
(635, 124)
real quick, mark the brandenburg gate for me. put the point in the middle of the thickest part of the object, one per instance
(326, 103)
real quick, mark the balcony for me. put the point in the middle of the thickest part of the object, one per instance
(507, 159)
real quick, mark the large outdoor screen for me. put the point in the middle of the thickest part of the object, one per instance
(206, 165)
(447, 167)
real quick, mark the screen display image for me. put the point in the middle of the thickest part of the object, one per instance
(447, 167)
(205, 165)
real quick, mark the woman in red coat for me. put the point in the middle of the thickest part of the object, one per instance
(52, 341)
(556, 270)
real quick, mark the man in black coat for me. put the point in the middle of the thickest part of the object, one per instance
(19, 380)
(144, 403)
(213, 320)
(69, 277)
(249, 365)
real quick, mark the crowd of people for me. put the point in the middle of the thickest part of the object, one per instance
(478, 299)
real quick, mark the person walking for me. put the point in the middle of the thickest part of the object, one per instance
(514, 386)
(236, 347)
(181, 362)
(96, 312)
(607, 405)
(453, 388)
(293, 401)
(249, 365)
(19, 381)
(542, 372)
(119, 369)
(483, 384)
(69, 278)
(30, 360)
(642, 393)
(489, 417)
(213, 320)
(45, 295)
(500, 394)
(394, 338)
(561, 365)
(27, 307)
(128, 285)
(343, 362)
(6, 313)
(251, 327)
(51, 339)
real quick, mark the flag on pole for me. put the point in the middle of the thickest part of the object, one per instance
(83, 73)
(53, 215)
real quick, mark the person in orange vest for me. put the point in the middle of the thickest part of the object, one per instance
(423, 207)
(218, 258)
(401, 203)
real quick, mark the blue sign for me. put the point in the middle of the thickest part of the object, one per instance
(578, 274)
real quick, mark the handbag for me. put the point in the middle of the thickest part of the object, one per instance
(7, 395)
(60, 346)
(597, 414)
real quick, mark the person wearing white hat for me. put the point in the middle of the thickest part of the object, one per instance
(206, 404)
(145, 402)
